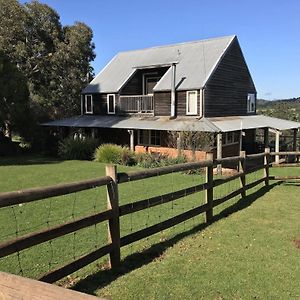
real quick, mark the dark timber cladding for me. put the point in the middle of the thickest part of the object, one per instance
(162, 103)
(227, 89)
(134, 86)
(100, 104)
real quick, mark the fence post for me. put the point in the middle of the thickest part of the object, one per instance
(209, 196)
(266, 168)
(242, 168)
(114, 222)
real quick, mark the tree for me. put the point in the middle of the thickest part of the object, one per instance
(191, 140)
(54, 60)
(14, 98)
(71, 68)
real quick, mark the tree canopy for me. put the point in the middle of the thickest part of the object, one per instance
(53, 60)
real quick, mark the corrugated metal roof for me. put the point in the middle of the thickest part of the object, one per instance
(226, 124)
(218, 124)
(195, 63)
(151, 123)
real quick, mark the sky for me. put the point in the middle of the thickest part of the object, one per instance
(268, 32)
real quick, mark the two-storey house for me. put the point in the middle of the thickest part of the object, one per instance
(143, 95)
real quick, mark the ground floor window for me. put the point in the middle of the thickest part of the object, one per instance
(149, 137)
(231, 137)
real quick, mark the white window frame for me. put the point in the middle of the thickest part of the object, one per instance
(149, 138)
(251, 100)
(193, 113)
(108, 108)
(85, 104)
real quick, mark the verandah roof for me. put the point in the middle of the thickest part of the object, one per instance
(219, 124)
(234, 123)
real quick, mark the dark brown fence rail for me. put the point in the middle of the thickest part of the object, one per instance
(115, 211)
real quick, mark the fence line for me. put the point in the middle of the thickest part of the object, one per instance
(115, 211)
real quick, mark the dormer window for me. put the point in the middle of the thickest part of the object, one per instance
(88, 104)
(111, 104)
(251, 103)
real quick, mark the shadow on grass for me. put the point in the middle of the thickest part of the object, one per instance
(134, 261)
(28, 159)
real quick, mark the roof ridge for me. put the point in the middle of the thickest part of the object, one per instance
(179, 44)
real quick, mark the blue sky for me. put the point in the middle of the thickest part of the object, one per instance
(268, 31)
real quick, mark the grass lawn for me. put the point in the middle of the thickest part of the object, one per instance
(248, 253)
(16, 174)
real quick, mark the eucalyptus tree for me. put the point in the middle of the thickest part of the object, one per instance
(53, 59)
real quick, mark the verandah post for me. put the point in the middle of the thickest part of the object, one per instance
(242, 168)
(209, 196)
(114, 222)
(266, 167)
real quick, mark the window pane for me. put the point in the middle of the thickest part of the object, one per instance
(192, 102)
(229, 137)
(144, 137)
(251, 103)
(111, 103)
(88, 103)
(155, 137)
(236, 136)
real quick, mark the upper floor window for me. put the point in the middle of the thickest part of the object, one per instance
(88, 104)
(111, 104)
(251, 103)
(191, 102)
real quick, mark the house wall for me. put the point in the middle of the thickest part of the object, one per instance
(249, 141)
(227, 90)
(114, 136)
(171, 152)
(162, 103)
(134, 86)
(100, 104)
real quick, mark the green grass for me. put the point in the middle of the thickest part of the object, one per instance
(247, 253)
(29, 172)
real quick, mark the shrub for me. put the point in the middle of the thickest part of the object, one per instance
(155, 160)
(111, 153)
(71, 148)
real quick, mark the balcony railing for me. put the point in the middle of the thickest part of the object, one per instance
(136, 104)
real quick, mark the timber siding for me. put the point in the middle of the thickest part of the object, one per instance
(134, 86)
(100, 104)
(227, 90)
(162, 104)
(181, 103)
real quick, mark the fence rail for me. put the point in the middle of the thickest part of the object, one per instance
(115, 211)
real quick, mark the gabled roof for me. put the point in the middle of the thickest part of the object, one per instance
(195, 62)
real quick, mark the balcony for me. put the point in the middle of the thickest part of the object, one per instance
(136, 104)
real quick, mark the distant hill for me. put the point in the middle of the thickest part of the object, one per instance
(288, 109)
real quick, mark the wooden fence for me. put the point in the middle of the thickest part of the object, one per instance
(246, 165)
